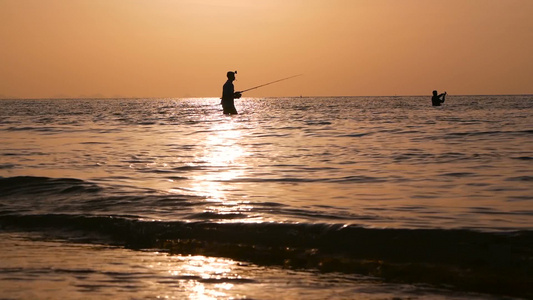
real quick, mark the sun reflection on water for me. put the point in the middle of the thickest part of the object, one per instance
(202, 277)
(223, 155)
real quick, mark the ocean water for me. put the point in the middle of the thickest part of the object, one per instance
(294, 198)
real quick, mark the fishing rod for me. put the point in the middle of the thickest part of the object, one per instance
(256, 87)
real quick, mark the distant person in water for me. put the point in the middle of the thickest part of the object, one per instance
(435, 100)
(229, 95)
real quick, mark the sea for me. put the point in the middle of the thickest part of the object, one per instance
(293, 198)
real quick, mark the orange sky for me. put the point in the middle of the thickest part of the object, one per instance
(180, 48)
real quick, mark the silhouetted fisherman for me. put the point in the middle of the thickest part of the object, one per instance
(435, 100)
(229, 95)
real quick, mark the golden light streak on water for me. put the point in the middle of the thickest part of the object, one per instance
(206, 268)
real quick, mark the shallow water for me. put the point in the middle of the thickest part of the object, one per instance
(276, 186)
(33, 268)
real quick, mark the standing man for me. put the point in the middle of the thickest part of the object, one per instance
(435, 100)
(229, 95)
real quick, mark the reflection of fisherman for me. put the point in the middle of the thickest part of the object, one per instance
(435, 100)
(229, 94)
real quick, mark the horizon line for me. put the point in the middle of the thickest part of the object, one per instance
(207, 97)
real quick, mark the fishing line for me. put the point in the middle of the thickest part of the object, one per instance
(265, 84)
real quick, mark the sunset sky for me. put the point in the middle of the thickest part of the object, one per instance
(183, 48)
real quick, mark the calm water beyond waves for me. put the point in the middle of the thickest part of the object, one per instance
(385, 161)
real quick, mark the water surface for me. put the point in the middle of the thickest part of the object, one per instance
(352, 185)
